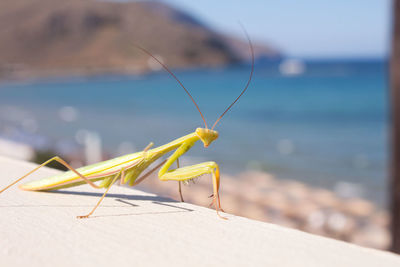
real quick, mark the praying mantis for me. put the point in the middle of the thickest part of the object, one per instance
(128, 168)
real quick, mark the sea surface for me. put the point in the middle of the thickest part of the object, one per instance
(327, 126)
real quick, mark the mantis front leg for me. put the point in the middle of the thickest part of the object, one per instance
(190, 172)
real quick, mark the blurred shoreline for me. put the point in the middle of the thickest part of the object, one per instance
(326, 126)
(320, 123)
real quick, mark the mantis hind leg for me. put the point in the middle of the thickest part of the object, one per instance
(190, 172)
(120, 173)
(59, 160)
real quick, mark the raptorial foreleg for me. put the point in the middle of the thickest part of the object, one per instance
(190, 172)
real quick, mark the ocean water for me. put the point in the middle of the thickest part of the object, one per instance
(326, 127)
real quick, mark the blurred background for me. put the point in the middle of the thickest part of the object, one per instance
(306, 146)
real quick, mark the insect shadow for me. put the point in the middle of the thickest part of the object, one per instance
(111, 195)
(122, 198)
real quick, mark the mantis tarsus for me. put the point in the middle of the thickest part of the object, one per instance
(128, 168)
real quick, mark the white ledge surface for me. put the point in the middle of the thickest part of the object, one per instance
(134, 228)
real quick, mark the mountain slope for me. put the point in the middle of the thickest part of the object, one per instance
(43, 37)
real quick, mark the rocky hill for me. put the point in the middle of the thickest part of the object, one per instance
(46, 37)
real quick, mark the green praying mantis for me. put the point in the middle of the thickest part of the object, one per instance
(128, 168)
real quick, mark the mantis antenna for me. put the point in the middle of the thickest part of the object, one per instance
(248, 82)
(173, 75)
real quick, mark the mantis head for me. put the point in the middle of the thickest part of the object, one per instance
(207, 136)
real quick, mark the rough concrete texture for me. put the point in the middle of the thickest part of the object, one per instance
(133, 228)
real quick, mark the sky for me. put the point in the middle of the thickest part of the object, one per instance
(303, 28)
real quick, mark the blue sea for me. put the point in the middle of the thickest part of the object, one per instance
(326, 127)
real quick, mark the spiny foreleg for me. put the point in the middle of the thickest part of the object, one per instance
(190, 172)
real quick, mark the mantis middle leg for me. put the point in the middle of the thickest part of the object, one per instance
(121, 174)
(179, 182)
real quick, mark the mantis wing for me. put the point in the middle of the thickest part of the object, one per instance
(94, 172)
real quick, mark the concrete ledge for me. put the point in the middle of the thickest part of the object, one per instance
(136, 228)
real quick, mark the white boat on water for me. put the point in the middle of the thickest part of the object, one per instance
(292, 67)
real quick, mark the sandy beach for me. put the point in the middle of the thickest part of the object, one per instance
(261, 196)
(289, 203)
